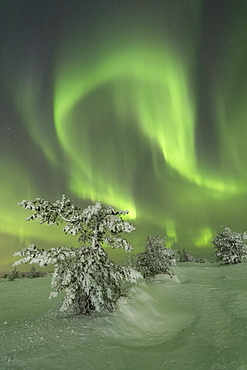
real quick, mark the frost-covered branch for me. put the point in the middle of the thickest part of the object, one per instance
(51, 213)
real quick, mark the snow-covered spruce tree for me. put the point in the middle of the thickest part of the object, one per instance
(13, 275)
(155, 259)
(231, 247)
(186, 256)
(90, 279)
(33, 273)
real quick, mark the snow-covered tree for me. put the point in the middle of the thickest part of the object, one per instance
(186, 256)
(231, 247)
(13, 275)
(90, 279)
(33, 273)
(155, 259)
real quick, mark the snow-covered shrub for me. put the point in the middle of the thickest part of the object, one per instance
(90, 279)
(231, 247)
(33, 273)
(201, 260)
(13, 275)
(155, 259)
(186, 256)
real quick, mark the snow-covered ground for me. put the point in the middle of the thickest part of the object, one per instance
(197, 320)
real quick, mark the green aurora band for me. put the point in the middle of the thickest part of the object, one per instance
(156, 97)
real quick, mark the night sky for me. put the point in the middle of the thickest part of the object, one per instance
(139, 104)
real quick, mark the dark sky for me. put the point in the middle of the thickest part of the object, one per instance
(138, 104)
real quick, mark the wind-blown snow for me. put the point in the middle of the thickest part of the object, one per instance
(197, 320)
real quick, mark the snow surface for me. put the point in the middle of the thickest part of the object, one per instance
(196, 320)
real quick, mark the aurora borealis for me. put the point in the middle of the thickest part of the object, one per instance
(138, 104)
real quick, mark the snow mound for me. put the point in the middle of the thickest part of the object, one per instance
(147, 316)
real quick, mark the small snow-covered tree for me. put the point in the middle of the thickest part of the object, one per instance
(90, 279)
(33, 273)
(155, 259)
(186, 256)
(13, 275)
(231, 247)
